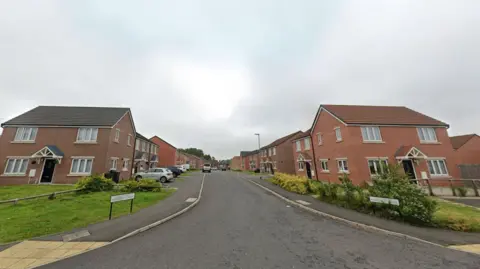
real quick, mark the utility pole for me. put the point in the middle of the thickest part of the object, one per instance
(258, 154)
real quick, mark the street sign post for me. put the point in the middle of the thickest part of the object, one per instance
(384, 200)
(122, 197)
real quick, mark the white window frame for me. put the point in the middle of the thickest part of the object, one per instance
(325, 168)
(371, 134)
(428, 133)
(275, 165)
(80, 159)
(144, 146)
(93, 135)
(274, 151)
(129, 140)
(155, 150)
(301, 166)
(117, 135)
(306, 141)
(437, 171)
(270, 152)
(338, 134)
(19, 171)
(114, 163)
(341, 164)
(378, 169)
(298, 145)
(319, 139)
(125, 164)
(29, 132)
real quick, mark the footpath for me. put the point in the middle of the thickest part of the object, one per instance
(437, 236)
(42, 250)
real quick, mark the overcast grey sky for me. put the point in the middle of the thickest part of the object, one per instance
(211, 73)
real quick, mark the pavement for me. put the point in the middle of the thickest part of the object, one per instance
(239, 225)
(470, 201)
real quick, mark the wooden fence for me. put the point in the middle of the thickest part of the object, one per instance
(49, 195)
(452, 184)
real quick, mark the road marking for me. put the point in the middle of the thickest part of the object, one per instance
(302, 202)
(191, 200)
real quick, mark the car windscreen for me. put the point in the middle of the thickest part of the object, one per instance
(207, 164)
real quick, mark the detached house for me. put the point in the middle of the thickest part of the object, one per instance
(358, 140)
(55, 144)
(301, 145)
(278, 155)
(146, 154)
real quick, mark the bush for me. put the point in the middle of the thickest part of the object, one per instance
(143, 185)
(95, 183)
(291, 183)
(462, 191)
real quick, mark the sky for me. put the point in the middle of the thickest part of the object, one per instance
(212, 73)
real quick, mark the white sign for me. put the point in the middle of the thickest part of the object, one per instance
(32, 172)
(122, 197)
(384, 200)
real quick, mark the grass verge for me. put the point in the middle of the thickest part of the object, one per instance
(20, 191)
(42, 216)
(456, 216)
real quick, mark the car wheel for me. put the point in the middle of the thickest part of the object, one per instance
(163, 179)
(137, 178)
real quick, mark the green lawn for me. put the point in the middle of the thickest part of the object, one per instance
(457, 217)
(42, 216)
(20, 191)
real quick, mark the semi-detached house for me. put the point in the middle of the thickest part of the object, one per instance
(278, 155)
(146, 154)
(301, 145)
(57, 144)
(358, 140)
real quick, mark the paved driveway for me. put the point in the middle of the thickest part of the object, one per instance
(238, 225)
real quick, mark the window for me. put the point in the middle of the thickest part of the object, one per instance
(117, 135)
(437, 167)
(342, 166)
(275, 151)
(319, 138)
(324, 164)
(82, 166)
(137, 145)
(275, 165)
(338, 134)
(427, 135)
(87, 134)
(114, 163)
(371, 133)
(377, 166)
(129, 140)
(26, 134)
(270, 152)
(16, 166)
(155, 150)
(307, 143)
(125, 164)
(144, 146)
(300, 166)
(299, 145)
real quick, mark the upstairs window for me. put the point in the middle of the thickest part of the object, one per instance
(270, 152)
(319, 139)
(129, 140)
(371, 133)
(26, 134)
(299, 145)
(87, 134)
(427, 134)
(144, 146)
(117, 135)
(137, 144)
(274, 151)
(338, 134)
(307, 143)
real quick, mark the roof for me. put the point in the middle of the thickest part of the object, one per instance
(164, 141)
(69, 116)
(55, 150)
(380, 115)
(138, 135)
(460, 140)
(281, 140)
(305, 156)
(301, 135)
(248, 153)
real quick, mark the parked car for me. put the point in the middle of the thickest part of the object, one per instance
(207, 168)
(175, 170)
(160, 174)
(181, 167)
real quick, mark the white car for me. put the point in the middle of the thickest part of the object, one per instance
(160, 174)
(181, 167)
(207, 168)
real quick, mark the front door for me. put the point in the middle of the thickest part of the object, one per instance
(309, 170)
(48, 168)
(409, 169)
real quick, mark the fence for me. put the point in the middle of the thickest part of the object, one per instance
(49, 195)
(449, 186)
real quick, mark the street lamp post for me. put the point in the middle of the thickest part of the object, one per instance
(258, 154)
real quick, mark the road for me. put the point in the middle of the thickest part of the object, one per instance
(238, 225)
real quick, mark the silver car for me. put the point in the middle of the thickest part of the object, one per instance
(160, 174)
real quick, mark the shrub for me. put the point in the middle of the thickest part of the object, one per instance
(462, 191)
(143, 185)
(95, 183)
(314, 186)
(291, 183)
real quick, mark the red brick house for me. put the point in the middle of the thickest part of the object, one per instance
(278, 155)
(181, 158)
(55, 144)
(236, 163)
(357, 140)
(466, 149)
(146, 154)
(301, 146)
(250, 160)
(166, 152)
